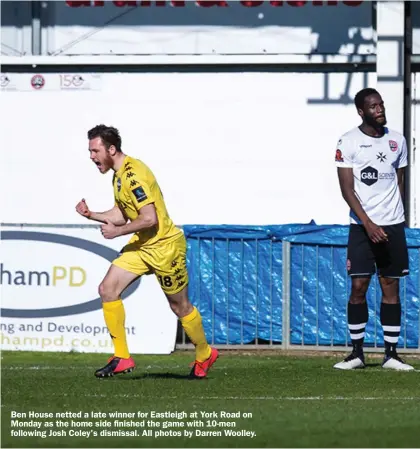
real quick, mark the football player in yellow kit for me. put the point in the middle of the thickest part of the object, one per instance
(157, 246)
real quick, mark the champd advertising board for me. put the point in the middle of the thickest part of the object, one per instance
(50, 302)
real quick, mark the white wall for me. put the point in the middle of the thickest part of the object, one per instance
(226, 148)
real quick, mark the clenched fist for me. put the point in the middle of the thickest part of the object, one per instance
(83, 209)
(109, 230)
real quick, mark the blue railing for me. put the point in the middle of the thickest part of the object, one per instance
(245, 279)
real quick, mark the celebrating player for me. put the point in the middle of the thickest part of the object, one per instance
(157, 246)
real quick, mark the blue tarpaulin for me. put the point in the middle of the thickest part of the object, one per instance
(236, 281)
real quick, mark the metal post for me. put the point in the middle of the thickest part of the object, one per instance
(36, 28)
(286, 295)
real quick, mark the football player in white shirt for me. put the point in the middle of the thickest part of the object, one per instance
(371, 160)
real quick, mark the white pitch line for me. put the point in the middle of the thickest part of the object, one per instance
(44, 367)
(220, 367)
(262, 398)
(253, 398)
(82, 367)
(140, 369)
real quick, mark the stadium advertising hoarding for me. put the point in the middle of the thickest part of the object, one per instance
(49, 280)
(210, 27)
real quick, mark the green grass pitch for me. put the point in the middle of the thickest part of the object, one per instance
(275, 400)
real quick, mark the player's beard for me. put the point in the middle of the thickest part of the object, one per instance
(107, 164)
(371, 121)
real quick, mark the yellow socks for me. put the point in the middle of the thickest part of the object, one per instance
(115, 320)
(193, 327)
(114, 314)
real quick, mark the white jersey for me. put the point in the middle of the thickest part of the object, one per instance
(375, 161)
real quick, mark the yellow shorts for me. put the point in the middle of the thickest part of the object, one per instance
(167, 260)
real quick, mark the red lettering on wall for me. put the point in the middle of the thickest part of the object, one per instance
(162, 3)
(149, 3)
(353, 3)
(329, 3)
(252, 3)
(76, 4)
(208, 3)
(121, 4)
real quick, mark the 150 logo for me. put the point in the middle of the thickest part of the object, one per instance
(71, 81)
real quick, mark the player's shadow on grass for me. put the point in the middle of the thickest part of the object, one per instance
(145, 376)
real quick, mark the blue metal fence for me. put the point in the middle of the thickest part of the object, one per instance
(287, 286)
(236, 280)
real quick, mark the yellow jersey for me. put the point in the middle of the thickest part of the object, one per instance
(135, 186)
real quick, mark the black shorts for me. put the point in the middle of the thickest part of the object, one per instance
(387, 259)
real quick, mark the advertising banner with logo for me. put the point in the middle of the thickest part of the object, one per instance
(209, 27)
(49, 282)
(29, 82)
